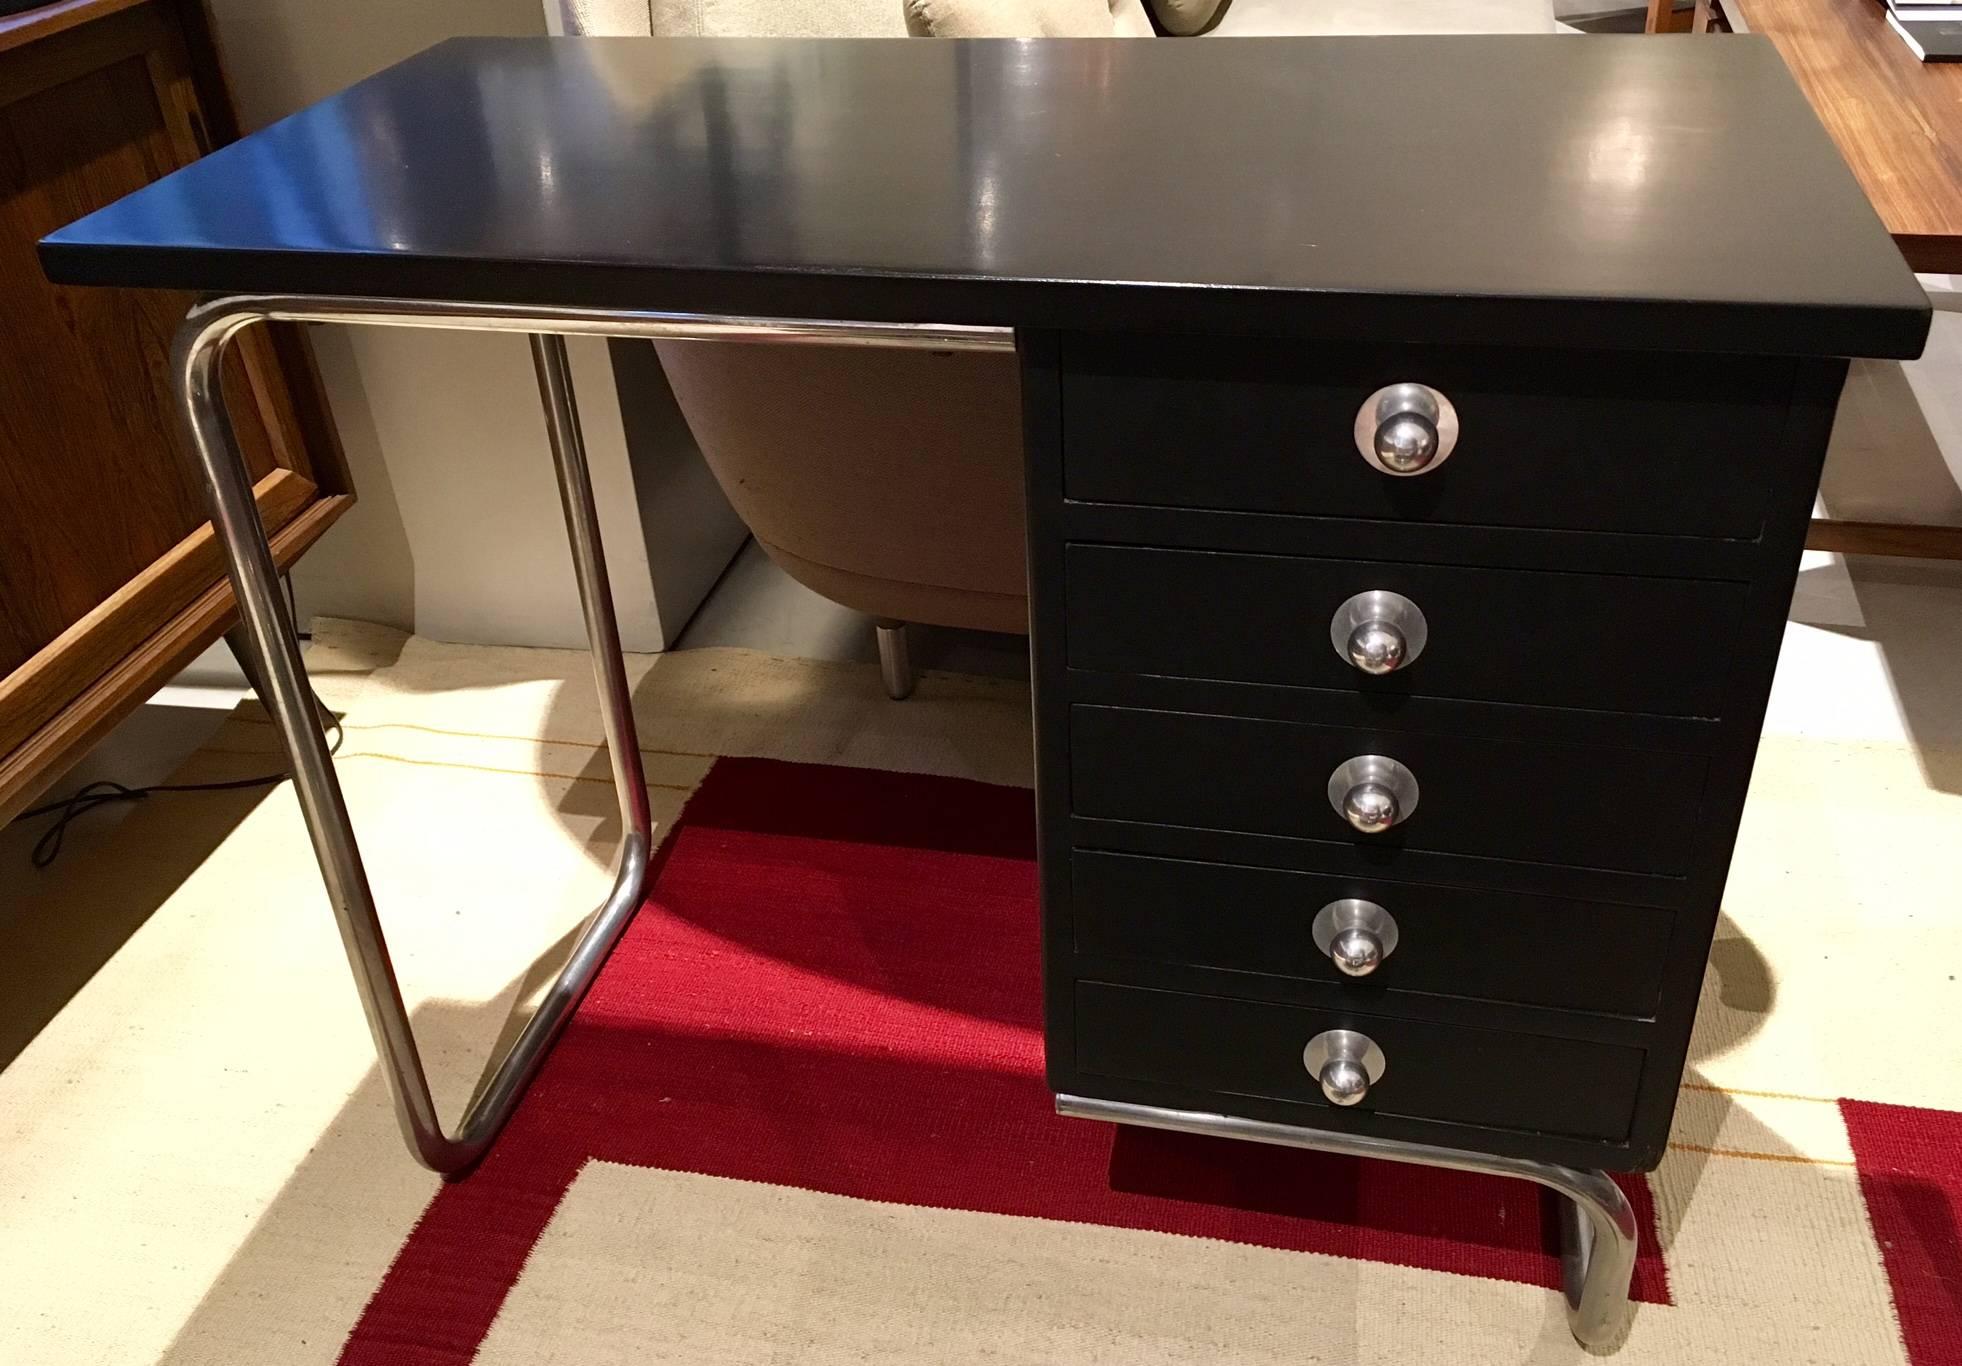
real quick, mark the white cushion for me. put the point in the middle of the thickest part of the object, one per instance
(730, 18)
(1015, 18)
(599, 18)
(1286, 18)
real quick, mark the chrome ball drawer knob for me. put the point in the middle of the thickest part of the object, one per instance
(1372, 792)
(1377, 647)
(1406, 443)
(1379, 631)
(1356, 935)
(1371, 808)
(1345, 1063)
(1406, 429)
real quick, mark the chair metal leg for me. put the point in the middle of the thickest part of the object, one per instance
(1597, 1224)
(895, 660)
(274, 649)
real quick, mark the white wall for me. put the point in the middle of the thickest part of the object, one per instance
(456, 534)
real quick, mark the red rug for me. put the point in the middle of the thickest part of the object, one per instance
(834, 986)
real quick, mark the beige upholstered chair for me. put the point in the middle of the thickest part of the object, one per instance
(891, 481)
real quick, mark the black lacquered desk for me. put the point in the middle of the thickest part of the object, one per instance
(1421, 435)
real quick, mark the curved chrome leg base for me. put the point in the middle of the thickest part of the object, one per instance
(1597, 1250)
(269, 638)
(1597, 1224)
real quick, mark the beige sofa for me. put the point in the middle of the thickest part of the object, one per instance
(891, 482)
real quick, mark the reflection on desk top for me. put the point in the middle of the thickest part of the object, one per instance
(1598, 191)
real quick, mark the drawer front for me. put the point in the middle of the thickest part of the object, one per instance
(1436, 1072)
(1677, 445)
(1494, 946)
(1491, 635)
(1619, 809)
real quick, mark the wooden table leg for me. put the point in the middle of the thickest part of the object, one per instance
(1886, 538)
(1663, 18)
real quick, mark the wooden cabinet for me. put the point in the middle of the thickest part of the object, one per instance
(110, 578)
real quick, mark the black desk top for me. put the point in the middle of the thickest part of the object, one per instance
(1625, 192)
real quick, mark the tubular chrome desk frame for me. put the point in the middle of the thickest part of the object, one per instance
(1597, 1224)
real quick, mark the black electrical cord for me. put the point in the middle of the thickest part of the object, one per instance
(103, 792)
(86, 799)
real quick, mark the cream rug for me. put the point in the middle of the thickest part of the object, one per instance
(197, 1164)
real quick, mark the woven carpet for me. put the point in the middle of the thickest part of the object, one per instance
(801, 1116)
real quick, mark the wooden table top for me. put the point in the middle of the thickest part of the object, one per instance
(1898, 122)
(1516, 190)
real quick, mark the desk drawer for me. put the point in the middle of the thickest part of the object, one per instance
(1626, 810)
(1491, 635)
(1436, 1072)
(1494, 946)
(1682, 445)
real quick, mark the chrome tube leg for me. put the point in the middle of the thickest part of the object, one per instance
(895, 659)
(270, 640)
(1597, 1253)
(554, 367)
(239, 642)
(1597, 1224)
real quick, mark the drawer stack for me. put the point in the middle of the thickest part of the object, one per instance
(1395, 711)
